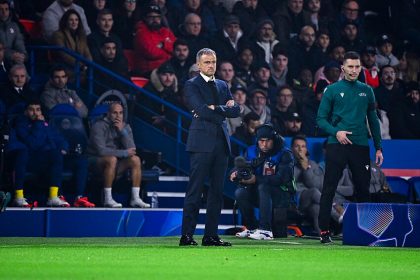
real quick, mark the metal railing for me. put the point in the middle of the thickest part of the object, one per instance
(134, 89)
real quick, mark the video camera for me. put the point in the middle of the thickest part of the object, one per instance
(245, 169)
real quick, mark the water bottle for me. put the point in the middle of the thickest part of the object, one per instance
(155, 200)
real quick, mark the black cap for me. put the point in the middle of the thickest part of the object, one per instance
(152, 9)
(263, 22)
(332, 64)
(293, 116)
(261, 64)
(265, 131)
(238, 87)
(412, 86)
(259, 90)
(384, 39)
(231, 19)
(166, 68)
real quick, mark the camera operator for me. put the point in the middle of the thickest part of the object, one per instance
(265, 178)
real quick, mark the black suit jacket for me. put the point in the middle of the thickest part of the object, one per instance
(206, 122)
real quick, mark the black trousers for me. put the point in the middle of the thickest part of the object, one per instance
(337, 157)
(211, 165)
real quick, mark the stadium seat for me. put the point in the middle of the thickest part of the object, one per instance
(139, 81)
(97, 112)
(112, 96)
(415, 184)
(33, 28)
(67, 120)
(400, 186)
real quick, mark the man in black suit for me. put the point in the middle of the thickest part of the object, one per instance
(210, 102)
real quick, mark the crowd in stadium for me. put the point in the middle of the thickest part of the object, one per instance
(277, 57)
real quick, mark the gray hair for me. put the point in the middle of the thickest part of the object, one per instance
(205, 51)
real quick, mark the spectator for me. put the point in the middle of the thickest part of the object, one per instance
(249, 13)
(11, 36)
(51, 18)
(217, 8)
(226, 73)
(72, 36)
(258, 104)
(246, 131)
(269, 186)
(332, 72)
(262, 77)
(196, 7)
(264, 41)
(239, 96)
(104, 23)
(180, 61)
(163, 9)
(303, 53)
(57, 92)
(279, 68)
(310, 110)
(126, 17)
(389, 91)
(335, 53)
(404, 117)
(284, 104)
(370, 71)
(303, 87)
(92, 9)
(4, 66)
(243, 65)
(309, 179)
(227, 41)
(164, 84)
(323, 43)
(17, 90)
(350, 13)
(192, 32)
(385, 55)
(318, 13)
(111, 147)
(292, 124)
(350, 38)
(290, 19)
(114, 61)
(37, 148)
(408, 67)
(153, 43)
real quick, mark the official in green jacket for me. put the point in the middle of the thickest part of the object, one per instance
(343, 111)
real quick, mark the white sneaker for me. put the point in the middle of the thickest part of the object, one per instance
(112, 204)
(138, 203)
(245, 233)
(57, 201)
(20, 202)
(260, 234)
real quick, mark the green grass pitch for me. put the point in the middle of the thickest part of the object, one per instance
(162, 258)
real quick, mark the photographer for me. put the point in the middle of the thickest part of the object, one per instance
(265, 178)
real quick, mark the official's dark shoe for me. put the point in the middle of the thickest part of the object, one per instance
(325, 237)
(214, 241)
(187, 240)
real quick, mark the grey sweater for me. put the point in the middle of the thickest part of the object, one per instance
(106, 140)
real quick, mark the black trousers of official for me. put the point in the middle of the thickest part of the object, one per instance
(337, 157)
(210, 165)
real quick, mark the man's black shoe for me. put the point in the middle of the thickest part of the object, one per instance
(214, 241)
(187, 240)
(325, 237)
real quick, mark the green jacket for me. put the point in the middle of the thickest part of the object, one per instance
(345, 106)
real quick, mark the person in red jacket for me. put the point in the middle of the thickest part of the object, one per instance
(153, 43)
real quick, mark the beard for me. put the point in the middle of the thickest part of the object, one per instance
(155, 26)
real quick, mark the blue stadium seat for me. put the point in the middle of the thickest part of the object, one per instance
(97, 112)
(415, 184)
(400, 186)
(67, 121)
